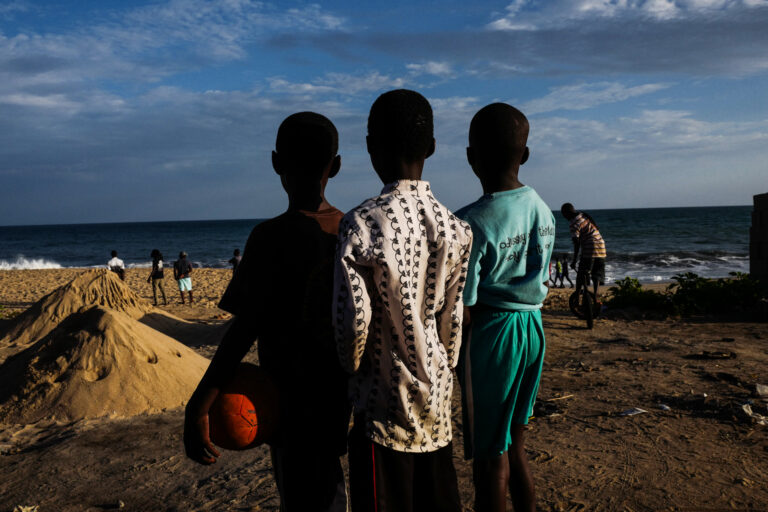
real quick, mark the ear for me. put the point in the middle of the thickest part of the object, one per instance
(470, 156)
(431, 149)
(335, 166)
(526, 154)
(276, 163)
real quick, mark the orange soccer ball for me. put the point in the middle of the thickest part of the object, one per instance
(245, 414)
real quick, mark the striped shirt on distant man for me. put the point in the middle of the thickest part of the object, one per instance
(590, 240)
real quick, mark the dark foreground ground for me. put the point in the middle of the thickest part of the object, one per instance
(702, 454)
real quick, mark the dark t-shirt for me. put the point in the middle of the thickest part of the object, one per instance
(285, 283)
(235, 261)
(157, 268)
(181, 268)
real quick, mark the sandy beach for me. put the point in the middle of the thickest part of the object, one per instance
(692, 449)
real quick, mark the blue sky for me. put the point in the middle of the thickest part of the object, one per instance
(159, 110)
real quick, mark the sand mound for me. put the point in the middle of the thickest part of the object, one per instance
(93, 287)
(98, 362)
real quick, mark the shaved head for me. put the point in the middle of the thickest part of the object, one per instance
(499, 132)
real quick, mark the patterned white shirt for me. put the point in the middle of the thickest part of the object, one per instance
(401, 265)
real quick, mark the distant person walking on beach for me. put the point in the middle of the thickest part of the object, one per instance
(235, 260)
(500, 369)
(587, 239)
(117, 266)
(181, 270)
(558, 271)
(562, 265)
(156, 276)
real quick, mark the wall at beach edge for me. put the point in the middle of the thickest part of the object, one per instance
(758, 238)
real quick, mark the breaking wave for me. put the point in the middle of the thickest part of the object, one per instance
(22, 263)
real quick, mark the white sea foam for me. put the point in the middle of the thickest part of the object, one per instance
(22, 263)
(139, 265)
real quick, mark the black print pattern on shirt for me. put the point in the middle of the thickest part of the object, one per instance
(401, 265)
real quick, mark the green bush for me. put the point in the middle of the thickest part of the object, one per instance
(691, 294)
(628, 293)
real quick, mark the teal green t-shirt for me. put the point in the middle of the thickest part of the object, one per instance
(513, 237)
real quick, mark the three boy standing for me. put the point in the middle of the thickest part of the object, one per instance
(403, 267)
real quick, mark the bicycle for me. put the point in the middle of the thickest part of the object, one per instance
(582, 301)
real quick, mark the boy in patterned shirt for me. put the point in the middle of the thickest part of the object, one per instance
(400, 269)
(282, 294)
(514, 233)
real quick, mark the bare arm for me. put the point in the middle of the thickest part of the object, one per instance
(236, 343)
(576, 246)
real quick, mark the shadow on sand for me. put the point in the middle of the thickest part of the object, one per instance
(191, 334)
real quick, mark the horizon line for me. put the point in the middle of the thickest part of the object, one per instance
(266, 218)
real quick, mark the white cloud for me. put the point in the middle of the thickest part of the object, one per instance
(645, 136)
(339, 83)
(154, 41)
(9, 8)
(57, 101)
(441, 69)
(585, 96)
(530, 15)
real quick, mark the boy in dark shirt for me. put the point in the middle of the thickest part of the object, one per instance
(281, 294)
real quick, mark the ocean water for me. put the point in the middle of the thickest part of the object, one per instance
(650, 244)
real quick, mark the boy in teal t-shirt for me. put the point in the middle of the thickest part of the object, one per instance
(514, 233)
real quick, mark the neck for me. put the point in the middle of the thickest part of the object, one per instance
(500, 182)
(312, 202)
(402, 171)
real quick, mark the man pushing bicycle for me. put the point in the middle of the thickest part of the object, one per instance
(586, 237)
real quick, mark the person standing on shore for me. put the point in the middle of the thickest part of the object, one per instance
(587, 239)
(117, 266)
(181, 270)
(156, 276)
(235, 260)
(563, 262)
(281, 296)
(400, 267)
(514, 234)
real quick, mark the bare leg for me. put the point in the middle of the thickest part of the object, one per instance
(190, 297)
(520, 481)
(491, 476)
(182, 297)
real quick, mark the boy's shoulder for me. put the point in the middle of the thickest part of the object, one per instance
(488, 208)
(283, 225)
(373, 212)
(368, 213)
